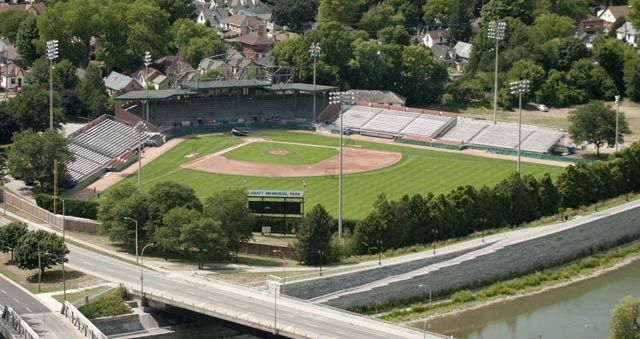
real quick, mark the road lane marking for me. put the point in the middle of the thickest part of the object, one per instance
(18, 301)
(3, 291)
(28, 309)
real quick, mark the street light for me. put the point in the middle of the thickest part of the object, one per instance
(348, 99)
(136, 222)
(284, 273)
(379, 249)
(617, 116)
(321, 254)
(315, 53)
(434, 233)
(496, 32)
(595, 328)
(140, 127)
(64, 282)
(52, 54)
(147, 62)
(519, 87)
(429, 317)
(142, 272)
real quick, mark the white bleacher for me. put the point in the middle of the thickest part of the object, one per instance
(505, 136)
(427, 125)
(390, 121)
(356, 118)
(465, 130)
(541, 141)
(98, 145)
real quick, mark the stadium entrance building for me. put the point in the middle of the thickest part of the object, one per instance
(269, 205)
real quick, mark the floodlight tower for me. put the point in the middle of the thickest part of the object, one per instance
(496, 31)
(147, 62)
(315, 53)
(52, 54)
(519, 87)
(341, 99)
(140, 128)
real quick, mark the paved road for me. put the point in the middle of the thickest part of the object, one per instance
(317, 321)
(40, 318)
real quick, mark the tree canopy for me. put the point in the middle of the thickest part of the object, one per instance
(230, 209)
(10, 236)
(595, 123)
(313, 237)
(48, 246)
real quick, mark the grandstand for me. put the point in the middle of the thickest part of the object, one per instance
(99, 144)
(394, 122)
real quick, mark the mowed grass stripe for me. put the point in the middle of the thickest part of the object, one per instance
(263, 152)
(420, 171)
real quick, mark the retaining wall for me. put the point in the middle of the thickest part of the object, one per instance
(589, 234)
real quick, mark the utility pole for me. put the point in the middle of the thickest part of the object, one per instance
(315, 53)
(617, 117)
(147, 62)
(140, 127)
(519, 87)
(52, 54)
(496, 31)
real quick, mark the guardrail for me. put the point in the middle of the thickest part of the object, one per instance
(79, 321)
(18, 325)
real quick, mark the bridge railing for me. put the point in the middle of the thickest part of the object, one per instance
(79, 321)
(17, 324)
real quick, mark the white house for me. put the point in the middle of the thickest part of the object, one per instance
(11, 76)
(610, 14)
(438, 36)
(627, 33)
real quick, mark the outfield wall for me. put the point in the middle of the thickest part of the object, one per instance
(574, 238)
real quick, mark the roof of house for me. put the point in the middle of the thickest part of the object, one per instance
(438, 34)
(13, 70)
(215, 16)
(627, 28)
(463, 49)
(286, 36)
(117, 81)
(255, 39)
(37, 8)
(242, 20)
(616, 11)
(440, 51)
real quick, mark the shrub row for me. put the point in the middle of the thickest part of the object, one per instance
(77, 208)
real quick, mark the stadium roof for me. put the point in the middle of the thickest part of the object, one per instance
(161, 94)
(298, 86)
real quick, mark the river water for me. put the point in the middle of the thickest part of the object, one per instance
(576, 311)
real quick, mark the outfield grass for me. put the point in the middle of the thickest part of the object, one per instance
(295, 154)
(419, 171)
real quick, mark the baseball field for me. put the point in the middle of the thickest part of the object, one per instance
(281, 160)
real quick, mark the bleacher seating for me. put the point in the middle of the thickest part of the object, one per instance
(541, 141)
(356, 118)
(99, 145)
(465, 130)
(505, 136)
(428, 125)
(390, 121)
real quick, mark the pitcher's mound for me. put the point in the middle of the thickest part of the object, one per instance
(279, 152)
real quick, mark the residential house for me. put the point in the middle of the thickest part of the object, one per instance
(438, 36)
(153, 80)
(610, 14)
(463, 53)
(240, 24)
(117, 83)
(35, 8)
(255, 45)
(11, 76)
(213, 16)
(444, 54)
(591, 25)
(627, 33)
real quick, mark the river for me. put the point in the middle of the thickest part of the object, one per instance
(577, 311)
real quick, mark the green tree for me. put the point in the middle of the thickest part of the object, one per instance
(8, 125)
(294, 13)
(575, 9)
(423, 78)
(631, 77)
(38, 74)
(196, 41)
(118, 203)
(26, 39)
(611, 55)
(525, 69)
(499, 9)
(10, 236)
(569, 51)
(199, 48)
(591, 82)
(550, 26)
(625, 323)
(460, 20)
(230, 209)
(595, 123)
(314, 237)
(436, 12)
(31, 109)
(93, 93)
(178, 9)
(380, 16)
(168, 234)
(206, 238)
(167, 195)
(64, 76)
(48, 246)
(31, 156)
(345, 12)
(10, 21)
(394, 35)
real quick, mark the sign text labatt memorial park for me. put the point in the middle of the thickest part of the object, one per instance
(274, 194)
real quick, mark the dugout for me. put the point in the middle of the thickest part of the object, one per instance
(277, 209)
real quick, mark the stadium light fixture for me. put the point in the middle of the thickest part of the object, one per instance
(147, 62)
(341, 99)
(617, 97)
(52, 54)
(140, 127)
(315, 53)
(496, 31)
(519, 88)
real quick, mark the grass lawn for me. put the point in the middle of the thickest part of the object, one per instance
(295, 154)
(73, 297)
(51, 278)
(419, 171)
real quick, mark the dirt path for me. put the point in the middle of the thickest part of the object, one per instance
(355, 160)
(112, 178)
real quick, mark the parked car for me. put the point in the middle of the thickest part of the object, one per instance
(542, 108)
